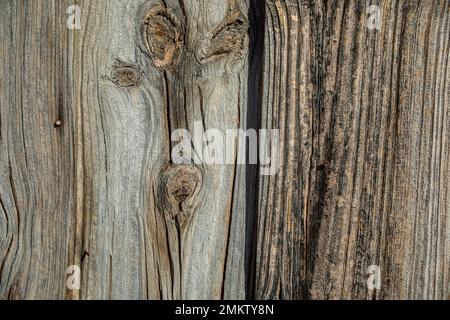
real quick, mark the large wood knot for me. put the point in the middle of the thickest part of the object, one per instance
(164, 37)
(178, 186)
(229, 39)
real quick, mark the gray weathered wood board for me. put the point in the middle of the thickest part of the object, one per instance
(87, 175)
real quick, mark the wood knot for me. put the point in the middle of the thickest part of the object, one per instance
(229, 39)
(178, 186)
(164, 37)
(125, 75)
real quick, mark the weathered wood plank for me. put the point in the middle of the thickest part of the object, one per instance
(288, 106)
(89, 164)
(374, 192)
(153, 228)
(385, 186)
(36, 151)
(121, 145)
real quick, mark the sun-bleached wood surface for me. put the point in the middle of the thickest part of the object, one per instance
(87, 175)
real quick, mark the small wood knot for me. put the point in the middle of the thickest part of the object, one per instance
(58, 123)
(163, 37)
(178, 186)
(125, 75)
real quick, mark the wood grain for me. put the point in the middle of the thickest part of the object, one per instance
(364, 179)
(138, 245)
(88, 177)
(36, 158)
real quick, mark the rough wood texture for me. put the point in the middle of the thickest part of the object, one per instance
(36, 158)
(364, 179)
(154, 229)
(87, 174)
